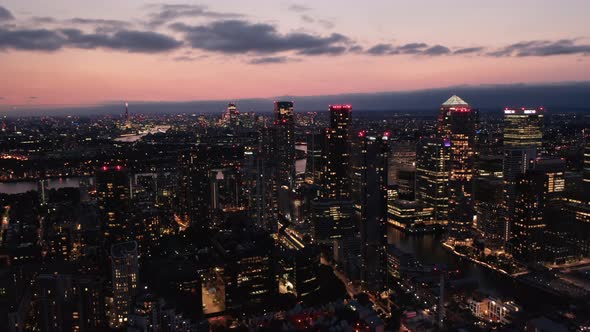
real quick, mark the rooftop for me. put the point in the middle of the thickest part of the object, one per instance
(455, 101)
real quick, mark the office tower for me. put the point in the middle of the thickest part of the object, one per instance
(529, 225)
(410, 216)
(488, 206)
(332, 220)
(369, 194)
(432, 176)
(336, 168)
(523, 134)
(315, 149)
(402, 168)
(233, 116)
(554, 169)
(90, 298)
(249, 269)
(55, 303)
(299, 261)
(284, 142)
(456, 122)
(125, 269)
(113, 195)
(193, 194)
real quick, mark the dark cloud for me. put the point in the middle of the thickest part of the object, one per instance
(299, 8)
(52, 40)
(543, 48)
(355, 49)
(189, 58)
(321, 50)
(382, 49)
(411, 48)
(237, 36)
(31, 40)
(43, 19)
(5, 14)
(126, 40)
(468, 50)
(436, 50)
(270, 60)
(170, 12)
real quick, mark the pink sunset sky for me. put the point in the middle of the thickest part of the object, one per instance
(72, 52)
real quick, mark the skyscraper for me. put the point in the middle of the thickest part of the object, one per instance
(284, 142)
(233, 116)
(369, 194)
(523, 134)
(193, 194)
(113, 195)
(336, 176)
(432, 176)
(125, 269)
(456, 122)
(528, 223)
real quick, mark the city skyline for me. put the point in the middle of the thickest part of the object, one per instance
(140, 51)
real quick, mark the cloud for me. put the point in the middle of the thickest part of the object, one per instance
(321, 50)
(43, 19)
(31, 40)
(270, 60)
(189, 58)
(127, 40)
(299, 8)
(436, 50)
(170, 12)
(468, 50)
(237, 36)
(307, 19)
(52, 40)
(543, 48)
(410, 48)
(388, 49)
(5, 14)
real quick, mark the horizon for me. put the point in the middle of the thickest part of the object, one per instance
(558, 96)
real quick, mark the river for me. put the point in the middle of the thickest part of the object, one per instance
(19, 187)
(428, 250)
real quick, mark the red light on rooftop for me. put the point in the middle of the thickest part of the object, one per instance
(387, 134)
(362, 133)
(118, 167)
(104, 168)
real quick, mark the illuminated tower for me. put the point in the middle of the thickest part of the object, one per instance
(233, 115)
(125, 268)
(127, 118)
(284, 143)
(528, 222)
(456, 122)
(113, 195)
(523, 135)
(432, 176)
(369, 193)
(336, 174)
